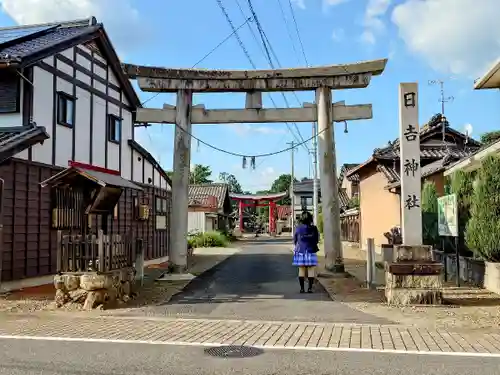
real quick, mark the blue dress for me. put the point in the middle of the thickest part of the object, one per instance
(306, 240)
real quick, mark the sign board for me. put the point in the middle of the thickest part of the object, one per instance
(411, 183)
(448, 216)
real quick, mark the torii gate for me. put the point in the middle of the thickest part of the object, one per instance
(323, 80)
(269, 199)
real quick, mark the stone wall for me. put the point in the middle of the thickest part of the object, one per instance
(91, 290)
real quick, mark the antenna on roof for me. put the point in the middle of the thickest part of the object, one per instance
(468, 132)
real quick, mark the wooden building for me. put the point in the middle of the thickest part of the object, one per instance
(379, 176)
(65, 103)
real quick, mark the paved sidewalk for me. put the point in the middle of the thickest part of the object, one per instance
(264, 334)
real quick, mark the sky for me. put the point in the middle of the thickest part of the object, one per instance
(454, 41)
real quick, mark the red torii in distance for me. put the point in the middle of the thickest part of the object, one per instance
(259, 201)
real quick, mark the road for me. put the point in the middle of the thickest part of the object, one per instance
(259, 283)
(29, 357)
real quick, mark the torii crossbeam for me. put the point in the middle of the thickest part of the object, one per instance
(254, 82)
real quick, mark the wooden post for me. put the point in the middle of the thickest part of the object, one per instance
(370, 263)
(100, 250)
(139, 261)
(328, 181)
(180, 180)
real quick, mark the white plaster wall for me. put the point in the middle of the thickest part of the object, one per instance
(43, 88)
(82, 126)
(99, 132)
(127, 133)
(137, 166)
(148, 172)
(113, 148)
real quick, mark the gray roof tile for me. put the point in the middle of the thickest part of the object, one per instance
(18, 138)
(199, 193)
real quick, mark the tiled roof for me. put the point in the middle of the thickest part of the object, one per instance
(343, 199)
(199, 193)
(18, 138)
(25, 45)
(393, 175)
(345, 169)
(34, 39)
(426, 152)
(430, 148)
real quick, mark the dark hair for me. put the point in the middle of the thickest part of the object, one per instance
(306, 218)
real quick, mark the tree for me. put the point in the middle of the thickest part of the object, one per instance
(490, 137)
(462, 185)
(483, 229)
(199, 175)
(282, 183)
(230, 179)
(429, 214)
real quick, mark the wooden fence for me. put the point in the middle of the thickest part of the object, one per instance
(349, 227)
(103, 253)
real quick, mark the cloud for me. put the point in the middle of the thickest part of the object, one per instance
(459, 37)
(372, 21)
(334, 2)
(121, 19)
(338, 35)
(299, 3)
(245, 129)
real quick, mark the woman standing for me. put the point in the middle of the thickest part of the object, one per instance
(306, 238)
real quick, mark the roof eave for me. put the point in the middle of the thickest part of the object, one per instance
(146, 155)
(483, 82)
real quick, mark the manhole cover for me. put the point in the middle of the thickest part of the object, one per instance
(233, 351)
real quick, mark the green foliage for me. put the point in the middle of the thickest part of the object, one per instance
(320, 222)
(199, 175)
(490, 137)
(208, 239)
(462, 185)
(353, 202)
(282, 183)
(483, 229)
(230, 179)
(430, 214)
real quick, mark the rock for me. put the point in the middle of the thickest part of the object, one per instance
(125, 298)
(61, 298)
(78, 295)
(71, 282)
(92, 282)
(95, 297)
(59, 282)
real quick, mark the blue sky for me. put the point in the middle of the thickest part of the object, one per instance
(452, 40)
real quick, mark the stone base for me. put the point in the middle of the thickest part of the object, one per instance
(413, 296)
(336, 268)
(91, 289)
(413, 281)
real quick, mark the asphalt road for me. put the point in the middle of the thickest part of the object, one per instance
(27, 357)
(259, 283)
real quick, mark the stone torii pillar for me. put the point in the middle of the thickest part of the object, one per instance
(323, 79)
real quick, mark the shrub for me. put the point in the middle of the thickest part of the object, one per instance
(208, 239)
(430, 232)
(462, 185)
(320, 222)
(483, 229)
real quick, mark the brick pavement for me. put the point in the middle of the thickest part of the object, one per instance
(264, 334)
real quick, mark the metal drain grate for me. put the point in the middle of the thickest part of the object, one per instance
(230, 351)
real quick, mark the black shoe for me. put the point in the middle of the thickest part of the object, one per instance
(309, 290)
(302, 291)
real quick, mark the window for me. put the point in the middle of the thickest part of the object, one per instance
(65, 109)
(10, 86)
(161, 212)
(114, 128)
(306, 201)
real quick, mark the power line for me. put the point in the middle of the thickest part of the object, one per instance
(237, 154)
(287, 28)
(264, 38)
(234, 32)
(245, 51)
(298, 32)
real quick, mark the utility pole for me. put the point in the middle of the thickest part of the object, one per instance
(292, 194)
(315, 172)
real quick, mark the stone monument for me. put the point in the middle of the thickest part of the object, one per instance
(412, 277)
